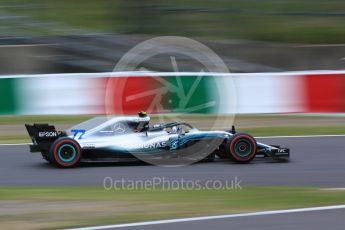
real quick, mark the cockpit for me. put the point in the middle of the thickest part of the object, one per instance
(173, 127)
(111, 126)
(105, 126)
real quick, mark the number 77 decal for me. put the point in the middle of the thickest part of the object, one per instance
(78, 133)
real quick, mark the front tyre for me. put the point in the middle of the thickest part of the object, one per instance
(65, 153)
(241, 148)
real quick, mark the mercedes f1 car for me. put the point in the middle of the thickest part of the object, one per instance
(129, 138)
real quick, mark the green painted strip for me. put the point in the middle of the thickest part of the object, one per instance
(193, 94)
(7, 96)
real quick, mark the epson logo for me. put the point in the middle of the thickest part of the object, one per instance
(47, 134)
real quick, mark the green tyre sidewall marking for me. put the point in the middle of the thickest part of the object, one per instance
(68, 160)
(247, 152)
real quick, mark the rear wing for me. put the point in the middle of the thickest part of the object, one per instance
(41, 132)
(42, 136)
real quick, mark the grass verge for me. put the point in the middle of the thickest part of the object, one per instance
(49, 207)
(12, 128)
(295, 130)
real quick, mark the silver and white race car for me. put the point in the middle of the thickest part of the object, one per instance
(128, 138)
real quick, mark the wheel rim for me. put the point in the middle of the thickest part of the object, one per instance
(243, 148)
(67, 153)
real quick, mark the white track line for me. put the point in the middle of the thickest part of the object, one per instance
(333, 189)
(15, 144)
(303, 136)
(268, 137)
(250, 214)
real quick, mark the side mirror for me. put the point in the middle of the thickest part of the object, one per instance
(233, 131)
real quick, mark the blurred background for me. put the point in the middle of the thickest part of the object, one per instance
(47, 36)
(250, 36)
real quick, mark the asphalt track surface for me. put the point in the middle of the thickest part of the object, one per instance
(315, 220)
(315, 161)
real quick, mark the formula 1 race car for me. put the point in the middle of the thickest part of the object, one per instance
(129, 138)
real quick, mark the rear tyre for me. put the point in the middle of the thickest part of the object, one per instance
(65, 153)
(241, 148)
